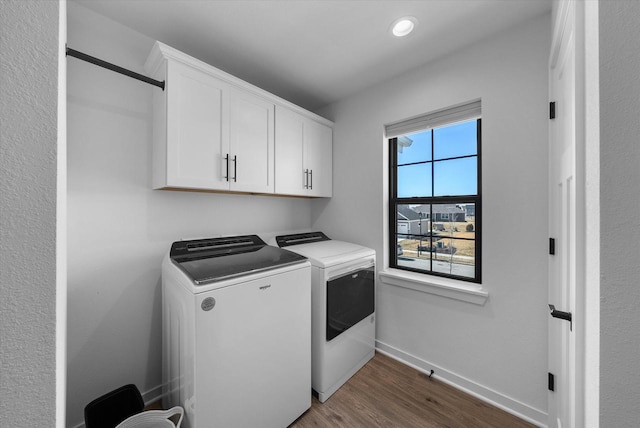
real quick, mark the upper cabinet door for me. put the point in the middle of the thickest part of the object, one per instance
(290, 174)
(251, 143)
(195, 146)
(303, 155)
(318, 154)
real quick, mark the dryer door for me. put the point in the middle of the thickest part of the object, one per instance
(350, 299)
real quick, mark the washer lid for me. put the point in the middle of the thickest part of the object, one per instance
(327, 252)
(209, 260)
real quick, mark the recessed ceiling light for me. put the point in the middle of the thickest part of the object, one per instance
(403, 26)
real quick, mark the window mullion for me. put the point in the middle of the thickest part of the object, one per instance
(433, 187)
(432, 169)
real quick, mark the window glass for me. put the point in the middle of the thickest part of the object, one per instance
(414, 148)
(455, 177)
(454, 257)
(414, 180)
(455, 140)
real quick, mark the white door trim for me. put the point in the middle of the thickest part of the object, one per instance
(588, 164)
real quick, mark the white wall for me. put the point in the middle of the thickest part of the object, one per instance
(119, 229)
(620, 205)
(498, 350)
(28, 168)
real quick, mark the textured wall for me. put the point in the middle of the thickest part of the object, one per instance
(28, 135)
(620, 211)
(489, 346)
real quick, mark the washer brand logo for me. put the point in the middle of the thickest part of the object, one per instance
(264, 287)
(208, 304)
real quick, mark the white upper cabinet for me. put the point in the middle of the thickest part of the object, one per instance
(251, 143)
(291, 178)
(194, 146)
(303, 155)
(215, 132)
(318, 156)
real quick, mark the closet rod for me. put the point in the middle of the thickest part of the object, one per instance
(113, 67)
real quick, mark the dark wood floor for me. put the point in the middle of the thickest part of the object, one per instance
(386, 393)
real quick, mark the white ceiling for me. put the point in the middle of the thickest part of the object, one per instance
(314, 52)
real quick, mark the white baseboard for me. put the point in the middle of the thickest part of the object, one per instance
(149, 397)
(515, 407)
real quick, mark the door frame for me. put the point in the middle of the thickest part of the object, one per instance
(587, 310)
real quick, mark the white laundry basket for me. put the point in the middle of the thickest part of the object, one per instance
(153, 419)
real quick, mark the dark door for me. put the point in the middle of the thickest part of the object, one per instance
(350, 299)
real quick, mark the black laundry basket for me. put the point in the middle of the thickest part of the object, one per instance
(114, 407)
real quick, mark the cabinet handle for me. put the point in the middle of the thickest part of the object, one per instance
(311, 179)
(235, 168)
(226, 158)
(306, 179)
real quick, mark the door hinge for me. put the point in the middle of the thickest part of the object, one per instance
(552, 110)
(552, 383)
(552, 246)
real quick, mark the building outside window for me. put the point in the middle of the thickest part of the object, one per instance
(435, 193)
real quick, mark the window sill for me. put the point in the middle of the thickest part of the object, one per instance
(444, 287)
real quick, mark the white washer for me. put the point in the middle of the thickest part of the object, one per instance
(343, 307)
(237, 333)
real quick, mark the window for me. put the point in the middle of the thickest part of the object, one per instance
(434, 193)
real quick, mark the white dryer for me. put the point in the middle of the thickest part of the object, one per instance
(237, 333)
(342, 307)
